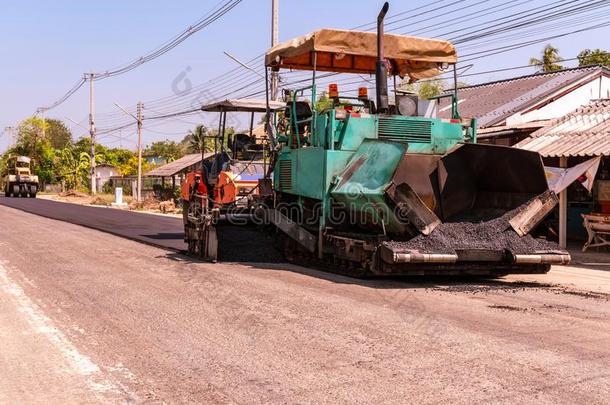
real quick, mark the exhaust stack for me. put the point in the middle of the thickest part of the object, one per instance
(381, 73)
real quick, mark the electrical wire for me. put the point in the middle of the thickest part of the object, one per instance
(208, 19)
(240, 83)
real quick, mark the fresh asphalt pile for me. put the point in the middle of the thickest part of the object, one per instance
(495, 234)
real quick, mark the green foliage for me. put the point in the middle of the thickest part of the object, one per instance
(167, 192)
(549, 61)
(168, 150)
(594, 57)
(56, 158)
(204, 138)
(425, 89)
(74, 167)
(30, 137)
(430, 88)
(324, 102)
(118, 156)
(45, 165)
(130, 168)
(58, 134)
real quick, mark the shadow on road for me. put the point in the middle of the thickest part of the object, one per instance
(471, 284)
(166, 236)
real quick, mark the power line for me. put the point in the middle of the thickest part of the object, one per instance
(209, 18)
(171, 44)
(173, 106)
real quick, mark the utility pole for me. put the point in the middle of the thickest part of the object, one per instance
(11, 132)
(44, 122)
(275, 39)
(139, 119)
(92, 133)
(41, 111)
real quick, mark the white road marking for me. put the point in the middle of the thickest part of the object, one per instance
(79, 363)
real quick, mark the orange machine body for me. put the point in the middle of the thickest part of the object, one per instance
(189, 183)
(237, 183)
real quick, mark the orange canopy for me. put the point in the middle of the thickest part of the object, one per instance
(356, 52)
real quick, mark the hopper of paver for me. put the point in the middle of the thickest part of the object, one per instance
(472, 207)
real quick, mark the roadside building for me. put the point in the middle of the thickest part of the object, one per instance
(174, 172)
(103, 173)
(509, 110)
(572, 139)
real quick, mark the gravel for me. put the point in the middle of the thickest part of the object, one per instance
(495, 234)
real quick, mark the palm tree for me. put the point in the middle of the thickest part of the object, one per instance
(550, 59)
(196, 139)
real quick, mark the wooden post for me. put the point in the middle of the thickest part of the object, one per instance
(563, 209)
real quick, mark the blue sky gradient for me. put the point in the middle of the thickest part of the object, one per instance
(47, 46)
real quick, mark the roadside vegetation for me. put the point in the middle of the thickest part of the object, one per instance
(61, 160)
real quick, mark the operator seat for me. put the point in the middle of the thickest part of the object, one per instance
(302, 112)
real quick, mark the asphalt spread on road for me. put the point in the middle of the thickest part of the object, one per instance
(238, 243)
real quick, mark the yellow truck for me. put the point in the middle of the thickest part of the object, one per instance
(18, 180)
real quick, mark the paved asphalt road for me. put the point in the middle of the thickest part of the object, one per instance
(238, 243)
(158, 230)
(90, 317)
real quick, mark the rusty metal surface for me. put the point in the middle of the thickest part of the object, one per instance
(534, 212)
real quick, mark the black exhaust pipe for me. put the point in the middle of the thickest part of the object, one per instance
(381, 73)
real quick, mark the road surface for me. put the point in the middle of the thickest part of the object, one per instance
(238, 243)
(91, 317)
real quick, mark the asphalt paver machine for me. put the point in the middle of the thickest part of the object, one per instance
(232, 182)
(369, 188)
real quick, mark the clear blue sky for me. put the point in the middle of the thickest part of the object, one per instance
(47, 46)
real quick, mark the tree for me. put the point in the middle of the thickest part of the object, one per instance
(33, 141)
(593, 57)
(58, 134)
(430, 88)
(118, 156)
(74, 167)
(168, 150)
(425, 89)
(550, 59)
(130, 168)
(324, 102)
(31, 136)
(202, 138)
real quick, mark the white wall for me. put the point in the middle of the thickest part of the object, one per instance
(599, 88)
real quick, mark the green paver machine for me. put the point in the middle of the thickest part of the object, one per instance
(357, 177)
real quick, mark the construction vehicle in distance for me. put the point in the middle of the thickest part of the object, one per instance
(365, 188)
(231, 183)
(18, 181)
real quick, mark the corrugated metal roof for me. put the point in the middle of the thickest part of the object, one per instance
(177, 165)
(584, 132)
(491, 103)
